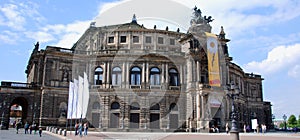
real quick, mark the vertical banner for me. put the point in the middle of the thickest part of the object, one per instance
(86, 95)
(80, 97)
(213, 60)
(75, 99)
(70, 100)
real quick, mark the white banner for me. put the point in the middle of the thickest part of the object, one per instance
(70, 100)
(80, 97)
(75, 99)
(86, 95)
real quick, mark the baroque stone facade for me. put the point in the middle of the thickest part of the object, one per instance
(140, 80)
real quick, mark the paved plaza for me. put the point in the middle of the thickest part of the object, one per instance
(11, 135)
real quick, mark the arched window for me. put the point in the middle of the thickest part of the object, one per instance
(173, 107)
(96, 105)
(155, 107)
(155, 76)
(116, 76)
(135, 106)
(98, 77)
(135, 76)
(115, 105)
(174, 77)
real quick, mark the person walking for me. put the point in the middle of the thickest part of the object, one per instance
(18, 126)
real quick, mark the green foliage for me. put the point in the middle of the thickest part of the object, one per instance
(298, 123)
(281, 125)
(292, 121)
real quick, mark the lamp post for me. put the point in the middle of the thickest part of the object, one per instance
(284, 118)
(233, 92)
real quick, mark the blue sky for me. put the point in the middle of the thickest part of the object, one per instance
(265, 35)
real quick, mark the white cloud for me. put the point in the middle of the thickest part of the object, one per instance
(12, 17)
(279, 58)
(294, 72)
(8, 37)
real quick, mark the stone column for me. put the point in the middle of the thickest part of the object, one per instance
(147, 74)
(143, 75)
(162, 74)
(108, 75)
(104, 75)
(124, 74)
(127, 75)
(198, 108)
(189, 73)
(167, 74)
(198, 71)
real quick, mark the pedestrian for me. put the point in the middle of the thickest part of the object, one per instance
(30, 129)
(40, 131)
(76, 128)
(245, 130)
(85, 127)
(257, 128)
(227, 128)
(80, 129)
(18, 126)
(26, 127)
(264, 128)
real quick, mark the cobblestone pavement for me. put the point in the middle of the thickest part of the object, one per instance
(11, 135)
(181, 136)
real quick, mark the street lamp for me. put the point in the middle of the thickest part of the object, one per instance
(284, 118)
(233, 92)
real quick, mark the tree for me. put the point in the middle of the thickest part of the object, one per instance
(298, 125)
(281, 125)
(292, 121)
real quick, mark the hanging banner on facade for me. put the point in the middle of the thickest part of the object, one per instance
(70, 100)
(213, 60)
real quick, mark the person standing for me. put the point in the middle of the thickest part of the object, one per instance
(40, 131)
(245, 130)
(26, 127)
(85, 128)
(76, 128)
(227, 128)
(80, 129)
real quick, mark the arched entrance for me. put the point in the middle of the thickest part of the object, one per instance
(134, 115)
(155, 116)
(18, 110)
(114, 115)
(173, 116)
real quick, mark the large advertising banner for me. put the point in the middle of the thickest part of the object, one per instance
(213, 60)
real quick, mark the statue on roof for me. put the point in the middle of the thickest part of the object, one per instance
(199, 19)
(36, 47)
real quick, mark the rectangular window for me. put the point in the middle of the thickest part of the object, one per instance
(148, 39)
(172, 41)
(160, 40)
(111, 39)
(123, 39)
(135, 39)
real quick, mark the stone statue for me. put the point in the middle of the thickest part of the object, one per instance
(199, 19)
(36, 47)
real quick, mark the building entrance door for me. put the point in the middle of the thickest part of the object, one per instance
(154, 121)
